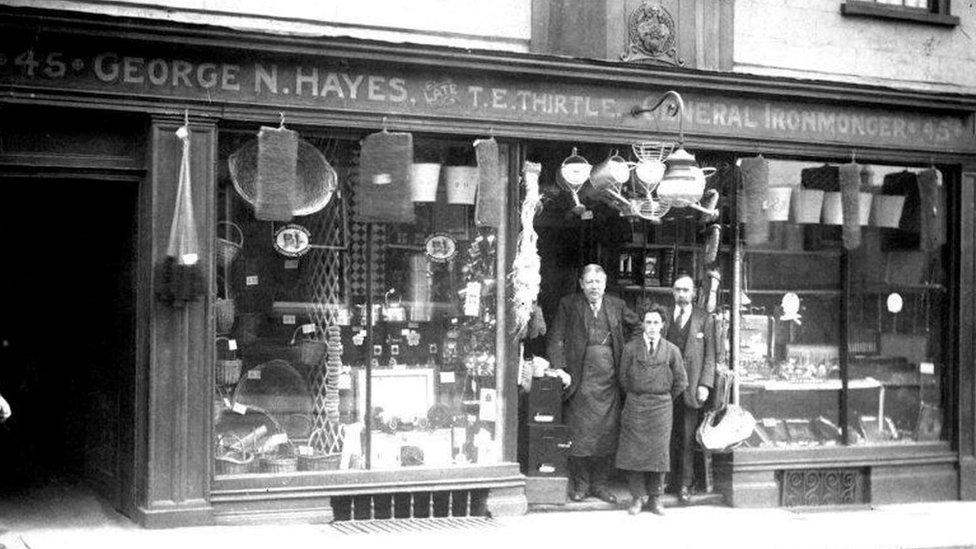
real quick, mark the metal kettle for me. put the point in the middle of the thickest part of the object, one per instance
(684, 182)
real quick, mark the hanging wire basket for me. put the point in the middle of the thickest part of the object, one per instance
(228, 248)
(652, 150)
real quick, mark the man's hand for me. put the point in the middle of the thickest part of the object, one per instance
(702, 393)
(5, 411)
(562, 375)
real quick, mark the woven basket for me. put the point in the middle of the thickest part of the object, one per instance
(233, 458)
(308, 351)
(224, 310)
(228, 248)
(807, 205)
(228, 372)
(319, 460)
(280, 462)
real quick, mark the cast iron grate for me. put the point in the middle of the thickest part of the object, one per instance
(402, 526)
(445, 504)
(819, 487)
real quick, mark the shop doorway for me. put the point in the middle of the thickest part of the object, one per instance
(67, 322)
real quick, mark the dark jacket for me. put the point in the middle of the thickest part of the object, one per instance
(567, 336)
(698, 354)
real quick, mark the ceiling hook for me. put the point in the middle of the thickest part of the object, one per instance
(281, 119)
(186, 117)
(384, 124)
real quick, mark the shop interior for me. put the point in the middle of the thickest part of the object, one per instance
(67, 344)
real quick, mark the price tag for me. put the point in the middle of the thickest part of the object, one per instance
(926, 368)
(405, 332)
(544, 418)
(447, 377)
(287, 319)
(251, 280)
(472, 299)
(254, 374)
(227, 403)
(345, 382)
(239, 408)
(305, 450)
(291, 264)
(586, 215)
(308, 328)
(232, 344)
(547, 469)
(769, 422)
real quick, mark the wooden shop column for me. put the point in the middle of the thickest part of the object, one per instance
(175, 464)
(965, 348)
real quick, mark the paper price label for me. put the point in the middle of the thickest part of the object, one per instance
(305, 450)
(254, 374)
(547, 469)
(586, 215)
(291, 263)
(472, 299)
(345, 382)
(926, 368)
(287, 319)
(227, 403)
(308, 328)
(769, 422)
(251, 280)
(447, 377)
(239, 408)
(232, 344)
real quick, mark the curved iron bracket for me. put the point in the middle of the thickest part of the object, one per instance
(675, 108)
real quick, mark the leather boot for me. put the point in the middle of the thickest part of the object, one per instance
(656, 506)
(636, 505)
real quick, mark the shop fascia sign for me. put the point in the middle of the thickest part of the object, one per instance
(342, 86)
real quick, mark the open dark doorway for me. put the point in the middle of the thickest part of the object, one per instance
(66, 334)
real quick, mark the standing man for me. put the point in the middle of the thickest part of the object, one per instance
(587, 339)
(691, 331)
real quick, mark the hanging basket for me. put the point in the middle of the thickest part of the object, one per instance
(228, 248)
(423, 181)
(224, 310)
(886, 210)
(462, 183)
(806, 205)
(228, 371)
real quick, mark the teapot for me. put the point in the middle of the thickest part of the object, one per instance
(684, 182)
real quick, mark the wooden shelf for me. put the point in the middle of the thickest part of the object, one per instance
(697, 248)
(881, 288)
(821, 292)
(648, 289)
(761, 251)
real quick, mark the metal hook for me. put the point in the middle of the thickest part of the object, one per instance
(676, 108)
(853, 156)
(385, 128)
(281, 119)
(186, 117)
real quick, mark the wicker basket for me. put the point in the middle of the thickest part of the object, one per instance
(228, 372)
(308, 351)
(319, 460)
(224, 310)
(280, 461)
(233, 458)
(228, 248)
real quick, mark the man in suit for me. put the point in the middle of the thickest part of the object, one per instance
(692, 332)
(587, 340)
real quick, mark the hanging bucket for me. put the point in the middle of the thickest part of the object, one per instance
(806, 205)
(423, 182)
(833, 212)
(864, 208)
(886, 210)
(462, 183)
(778, 203)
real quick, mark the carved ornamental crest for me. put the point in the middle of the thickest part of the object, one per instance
(652, 35)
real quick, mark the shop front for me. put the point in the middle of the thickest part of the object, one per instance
(354, 353)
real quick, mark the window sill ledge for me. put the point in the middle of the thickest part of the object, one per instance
(871, 9)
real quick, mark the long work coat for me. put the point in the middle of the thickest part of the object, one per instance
(651, 382)
(566, 343)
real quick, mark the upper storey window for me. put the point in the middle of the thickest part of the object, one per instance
(933, 12)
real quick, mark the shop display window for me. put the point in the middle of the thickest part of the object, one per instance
(840, 341)
(363, 335)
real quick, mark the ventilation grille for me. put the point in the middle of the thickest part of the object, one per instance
(411, 505)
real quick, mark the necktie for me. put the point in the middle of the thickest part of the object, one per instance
(681, 317)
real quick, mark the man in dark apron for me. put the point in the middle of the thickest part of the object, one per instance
(692, 332)
(587, 339)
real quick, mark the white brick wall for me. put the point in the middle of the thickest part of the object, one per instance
(481, 24)
(811, 39)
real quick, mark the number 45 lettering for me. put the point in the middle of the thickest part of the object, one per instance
(53, 66)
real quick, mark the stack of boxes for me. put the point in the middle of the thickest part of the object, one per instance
(547, 443)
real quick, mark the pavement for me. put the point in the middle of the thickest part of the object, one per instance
(72, 517)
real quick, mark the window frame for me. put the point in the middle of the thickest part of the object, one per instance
(938, 12)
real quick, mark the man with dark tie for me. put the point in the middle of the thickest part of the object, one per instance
(587, 339)
(691, 331)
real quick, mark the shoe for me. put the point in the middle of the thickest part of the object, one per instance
(656, 506)
(684, 496)
(604, 495)
(577, 496)
(637, 505)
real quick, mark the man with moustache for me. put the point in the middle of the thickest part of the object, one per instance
(587, 339)
(691, 331)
